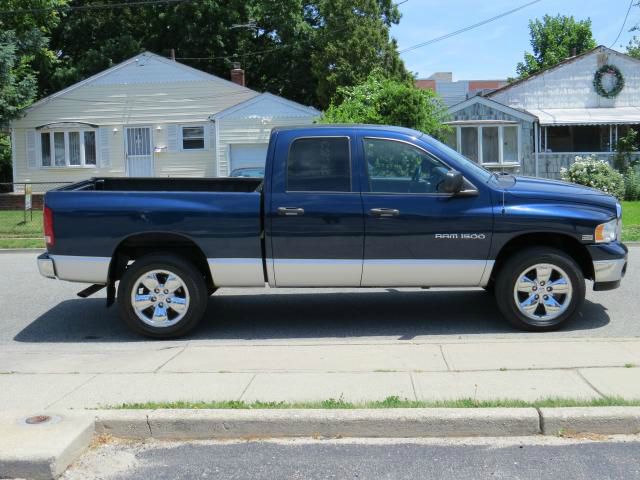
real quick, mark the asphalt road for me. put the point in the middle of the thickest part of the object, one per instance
(387, 459)
(38, 310)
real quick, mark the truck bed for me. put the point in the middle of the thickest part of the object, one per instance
(115, 184)
(222, 216)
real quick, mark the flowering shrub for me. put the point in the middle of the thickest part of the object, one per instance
(594, 173)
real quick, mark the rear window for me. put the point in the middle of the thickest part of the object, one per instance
(319, 164)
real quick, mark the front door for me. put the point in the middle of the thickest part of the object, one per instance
(139, 151)
(315, 216)
(414, 235)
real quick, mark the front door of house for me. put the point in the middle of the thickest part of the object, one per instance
(139, 152)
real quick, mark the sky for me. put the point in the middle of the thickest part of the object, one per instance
(492, 51)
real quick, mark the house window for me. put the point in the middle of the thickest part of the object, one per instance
(193, 138)
(72, 148)
(579, 138)
(487, 144)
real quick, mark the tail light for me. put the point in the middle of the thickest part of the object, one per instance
(49, 236)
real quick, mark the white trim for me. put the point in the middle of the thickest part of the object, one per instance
(500, 127)
(67, 159)
(312, 112)
(14, 167)
(217, 124)
(181, 138)
(501, 107)
(152, 150)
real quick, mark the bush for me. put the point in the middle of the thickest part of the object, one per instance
(595, 173)
(631, 184)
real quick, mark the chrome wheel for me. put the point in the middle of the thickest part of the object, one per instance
(160, 298)
(543, 292)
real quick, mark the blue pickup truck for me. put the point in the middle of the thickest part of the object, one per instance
(339, 206)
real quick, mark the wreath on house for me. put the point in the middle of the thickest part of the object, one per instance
(617, 86)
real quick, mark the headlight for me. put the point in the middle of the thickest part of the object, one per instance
(607, 232)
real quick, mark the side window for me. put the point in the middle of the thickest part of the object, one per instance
(319, 164)
(397, 167)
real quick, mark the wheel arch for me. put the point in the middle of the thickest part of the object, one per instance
(138, 245)
(560, 241)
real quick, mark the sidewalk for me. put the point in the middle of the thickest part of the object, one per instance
(61, 377)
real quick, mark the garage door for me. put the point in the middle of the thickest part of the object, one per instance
(248, 155)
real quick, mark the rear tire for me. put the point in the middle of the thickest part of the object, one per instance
(539, 289)
(162, 296)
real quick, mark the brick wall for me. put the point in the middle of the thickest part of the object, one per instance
(15, 201)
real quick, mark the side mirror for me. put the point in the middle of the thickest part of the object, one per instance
(453, 182)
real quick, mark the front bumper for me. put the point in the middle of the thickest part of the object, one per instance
(609, 265)
(46, 266)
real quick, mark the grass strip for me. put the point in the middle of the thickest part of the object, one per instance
(21, 243)
(389, 402)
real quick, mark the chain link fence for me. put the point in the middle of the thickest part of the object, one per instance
(21, 213)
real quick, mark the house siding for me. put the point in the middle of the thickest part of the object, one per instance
(571, 85)
(478, 111)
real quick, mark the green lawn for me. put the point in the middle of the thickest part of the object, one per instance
(631, 221)
(12, 224)
(389, 402)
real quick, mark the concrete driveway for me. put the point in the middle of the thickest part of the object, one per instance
(35, 310)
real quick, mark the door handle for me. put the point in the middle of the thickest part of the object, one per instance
(290, 211)
(384, 212)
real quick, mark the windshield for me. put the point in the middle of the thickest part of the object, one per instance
(482, 172)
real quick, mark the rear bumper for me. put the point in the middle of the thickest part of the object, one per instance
(46, 266)
(75, 268)
(609, 265)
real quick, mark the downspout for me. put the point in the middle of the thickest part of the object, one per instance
(536, 134)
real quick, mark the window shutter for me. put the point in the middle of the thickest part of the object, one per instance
(103, 147)
(172, 138)
(32, 153)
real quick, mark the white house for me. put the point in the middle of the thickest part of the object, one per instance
(540, 124)
(149, 116)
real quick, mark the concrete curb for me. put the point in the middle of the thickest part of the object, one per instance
(603, 420)
(46, 451)
(42, 451)
(22, 250)
(400, 422)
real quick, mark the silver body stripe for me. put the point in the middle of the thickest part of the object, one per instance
(423, 273)
(81, 269)
(303, 272)
(248, 272)
(237, 272)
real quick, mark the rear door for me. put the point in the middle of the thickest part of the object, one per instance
(315, 211)
(415, 236)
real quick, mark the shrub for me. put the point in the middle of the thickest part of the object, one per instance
(594, 173)
(631, 184)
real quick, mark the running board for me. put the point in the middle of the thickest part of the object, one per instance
(87, 292)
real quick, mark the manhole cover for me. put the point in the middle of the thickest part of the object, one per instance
(37, 419)
(40, 420)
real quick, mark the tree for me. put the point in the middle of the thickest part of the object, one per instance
(633, 49)
(23, 52)
(353, 39)
(382, 100)
(554, 39)
(301, 49)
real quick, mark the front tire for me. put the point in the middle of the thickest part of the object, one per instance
(540, 289)
(162, 296)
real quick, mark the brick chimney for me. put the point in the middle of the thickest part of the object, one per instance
(237, 74)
